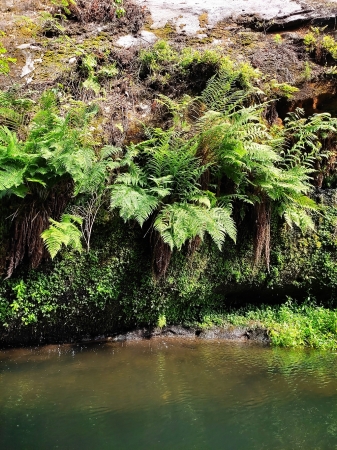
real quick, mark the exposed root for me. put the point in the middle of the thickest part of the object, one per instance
(262, 233)
(161, 256)
(193, 245)
(30, 220)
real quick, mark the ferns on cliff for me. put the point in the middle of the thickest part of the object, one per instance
(272, 173)
(41, 174)
(166, 193)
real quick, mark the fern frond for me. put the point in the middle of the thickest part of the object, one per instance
(133, 202)
(62, 233)
(180, 222)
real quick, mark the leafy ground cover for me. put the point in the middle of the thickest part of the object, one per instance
(288, 325)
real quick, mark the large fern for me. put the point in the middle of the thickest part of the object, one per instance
(62, 233)
(42, 172)
(181, 222)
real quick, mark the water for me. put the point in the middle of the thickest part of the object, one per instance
(167, 394)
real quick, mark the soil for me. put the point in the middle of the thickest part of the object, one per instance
(47, 55)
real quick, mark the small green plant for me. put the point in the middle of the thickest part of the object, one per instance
(51, 24)
(283, 89)
(5, 61)
(291, 325)
(310, 41)
(322, 45)
(161, 321)
(161, 52)
(330, 45)
(90, 64)
(120, 11)
(278, 39)
(108, 71)
(307, 71)
(64, 4)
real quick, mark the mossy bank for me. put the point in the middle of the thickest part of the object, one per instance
(126, 103)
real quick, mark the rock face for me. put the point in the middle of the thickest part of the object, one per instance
(185, 15)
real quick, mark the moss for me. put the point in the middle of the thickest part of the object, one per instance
(54, 63)
(203, 20)
(247, 38)
(166, 32)
(27, 27)
(114, 282)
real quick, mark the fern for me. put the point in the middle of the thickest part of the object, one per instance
(62, 233)
(181, 222)
(50, 165)
(133, 202)
(303, 137)
(222, 94)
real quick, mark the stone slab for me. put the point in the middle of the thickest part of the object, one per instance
(185, 14)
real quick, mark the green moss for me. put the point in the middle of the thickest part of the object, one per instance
(115, 285)
(310, 41)
(165, 32)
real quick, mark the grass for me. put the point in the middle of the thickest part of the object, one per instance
(288, 325)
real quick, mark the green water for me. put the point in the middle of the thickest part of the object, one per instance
(167, 394)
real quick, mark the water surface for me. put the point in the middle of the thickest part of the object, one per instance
(167, 394)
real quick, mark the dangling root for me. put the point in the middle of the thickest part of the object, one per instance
(193, 245)
(161, 256)
(30, 220)
(262, 235)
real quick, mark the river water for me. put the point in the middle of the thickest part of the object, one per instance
(167, 394)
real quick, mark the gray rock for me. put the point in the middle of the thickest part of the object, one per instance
(144, 39)
(258, 14)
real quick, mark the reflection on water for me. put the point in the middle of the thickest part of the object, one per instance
(167, 394)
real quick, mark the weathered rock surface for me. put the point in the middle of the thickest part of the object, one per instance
(185, 15)
(230, 333)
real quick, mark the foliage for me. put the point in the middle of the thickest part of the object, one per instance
(165, 190)
(14, 111)
(215, 167)
(330, 45)
(283, 89)
(119, 11)
(319, 44)
(90, 63)
(240, 147)
(278, 39)
(5, 61)
(291, 324)
(161, 321)
(178, 223)
(62, 233)
(42, 173)
(310, 41)
(162, 62)
(307, 71)
(52, 150)
(108, 71)
(113, 282)
(160, 53)
(64, 4)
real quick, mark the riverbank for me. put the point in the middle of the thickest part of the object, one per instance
(113, 82)
(289, 325)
